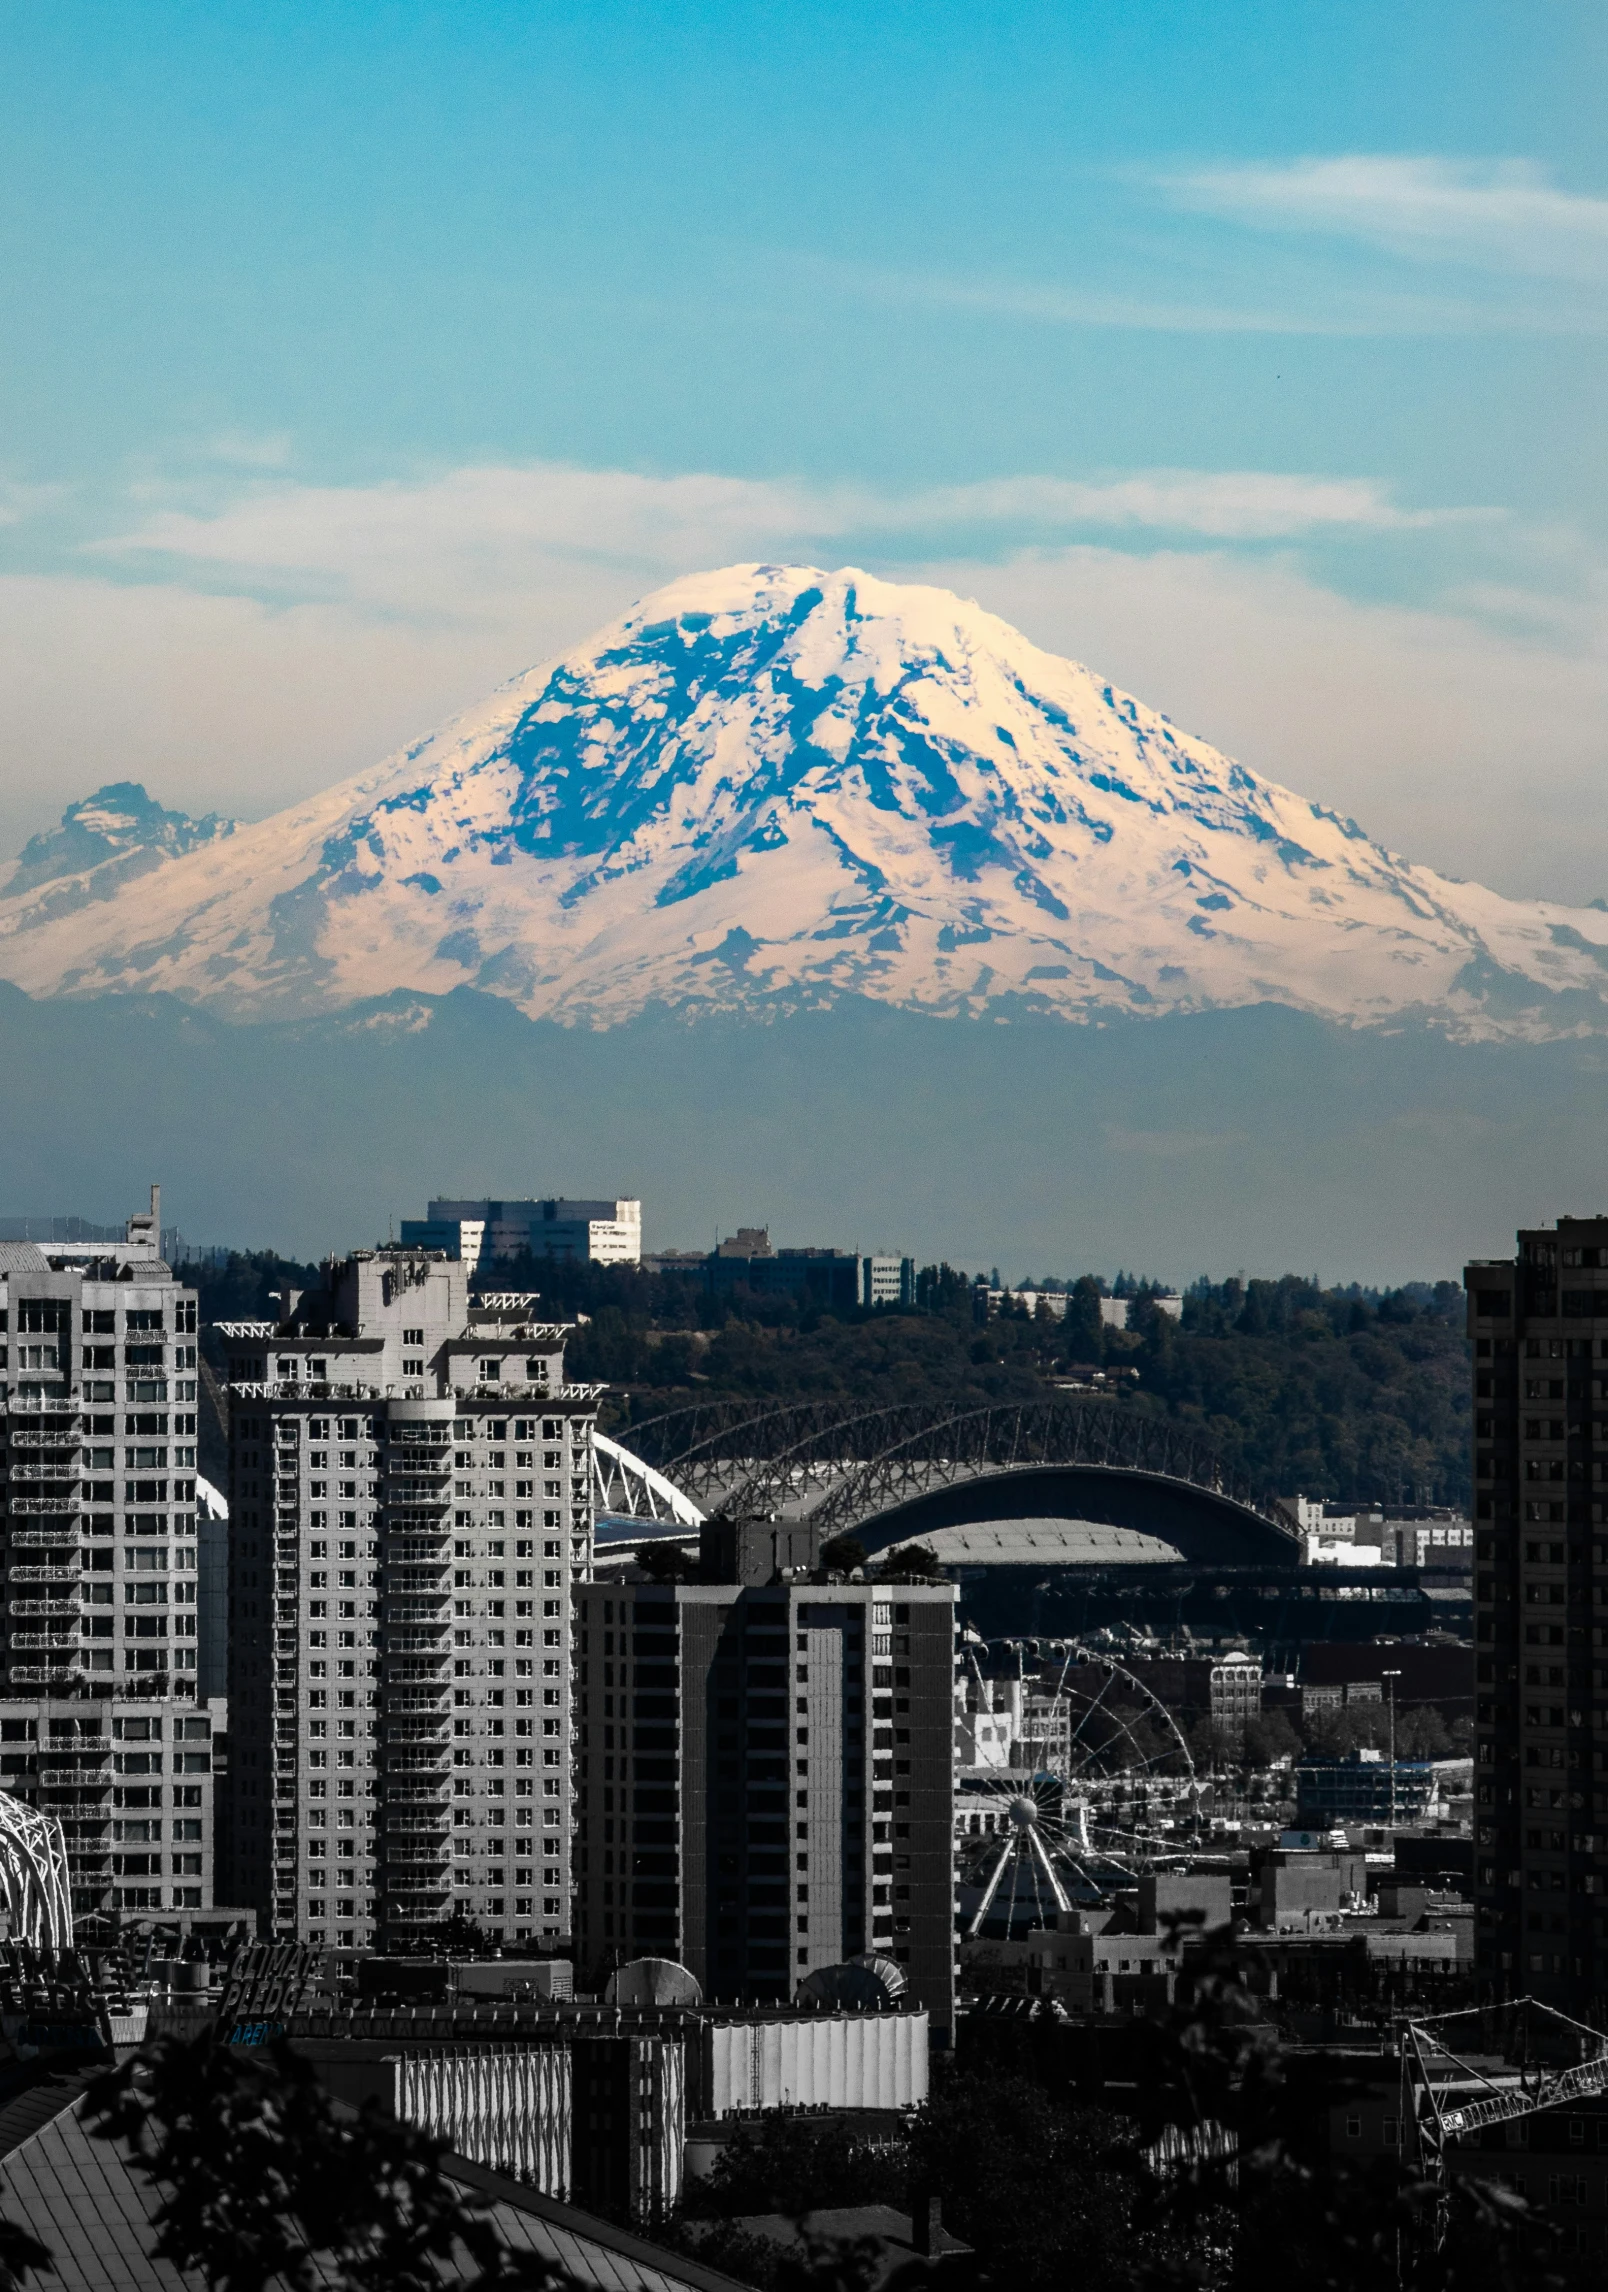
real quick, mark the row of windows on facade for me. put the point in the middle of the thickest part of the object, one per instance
(497, 1907)
(249, 1463)
(431, 1432)
(53, 1317)
(289, 1368)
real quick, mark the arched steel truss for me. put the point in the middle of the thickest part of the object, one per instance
(623, 1484)
(841, 1465)
(35, 1886)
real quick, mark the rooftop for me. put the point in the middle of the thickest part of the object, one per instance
(83, 2199)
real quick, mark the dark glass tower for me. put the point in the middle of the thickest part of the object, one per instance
(1539, 1326)
(765, 1781)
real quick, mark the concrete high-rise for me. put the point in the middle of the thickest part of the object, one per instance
(410, 1507)
(98, 1534)
(1539, 1328)
(765, 1776)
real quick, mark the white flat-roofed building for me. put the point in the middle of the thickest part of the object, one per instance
(410, 1506)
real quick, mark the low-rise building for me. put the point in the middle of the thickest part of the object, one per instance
(1362, 1788)
(604, 1232)
(837, 1279)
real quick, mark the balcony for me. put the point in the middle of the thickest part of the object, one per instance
(66, 1641)
(48, 1676)
(45, 1572)
(51, 1475)
(33, 1503)
(415, 1767)
(86, 1778)
(422, 1850)
(52, 1441)
(65, 1609)
(416, 1638)
(49, 1535)
(410, 1461)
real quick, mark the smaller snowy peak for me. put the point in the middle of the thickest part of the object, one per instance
(119, 822)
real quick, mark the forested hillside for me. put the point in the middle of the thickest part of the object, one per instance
(1345, 1393)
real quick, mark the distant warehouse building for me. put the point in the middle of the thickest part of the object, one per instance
(606, 1232)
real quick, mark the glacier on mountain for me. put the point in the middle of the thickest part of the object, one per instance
(769, 787)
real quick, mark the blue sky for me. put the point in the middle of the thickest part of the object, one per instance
(354, 357)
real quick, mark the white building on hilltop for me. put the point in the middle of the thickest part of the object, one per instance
(604, 1232)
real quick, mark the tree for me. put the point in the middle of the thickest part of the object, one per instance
(1083, 1328)
(915, 1564)
(665, 1561)
(1269, 1738)
(1047, 2194)
(259, 2179)
(454, 1937)
(1422, 1733)
(843, 1554)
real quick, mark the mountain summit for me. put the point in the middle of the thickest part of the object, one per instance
(770, 787)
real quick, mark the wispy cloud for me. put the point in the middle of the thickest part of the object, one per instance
(20, 501)
(1509, 216)
(295, 633)
(446, 544)
(1224, 505)
(1297, 305)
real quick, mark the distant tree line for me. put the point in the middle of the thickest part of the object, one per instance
(1351, 1394)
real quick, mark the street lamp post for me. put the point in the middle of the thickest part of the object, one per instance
(1392, 1677)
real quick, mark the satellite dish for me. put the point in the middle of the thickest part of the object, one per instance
(866, 1981)
(652, 1982)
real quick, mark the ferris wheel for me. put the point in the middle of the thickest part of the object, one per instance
(1112, 1792)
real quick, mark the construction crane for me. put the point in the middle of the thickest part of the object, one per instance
(1446, 2098)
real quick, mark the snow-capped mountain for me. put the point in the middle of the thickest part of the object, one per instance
(771, 786)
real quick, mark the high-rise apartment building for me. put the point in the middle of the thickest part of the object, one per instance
(765, 1778)
(98, 1536)
(1539, 1326)
(410, 1507)
(606, 1232)
(134, 1781)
